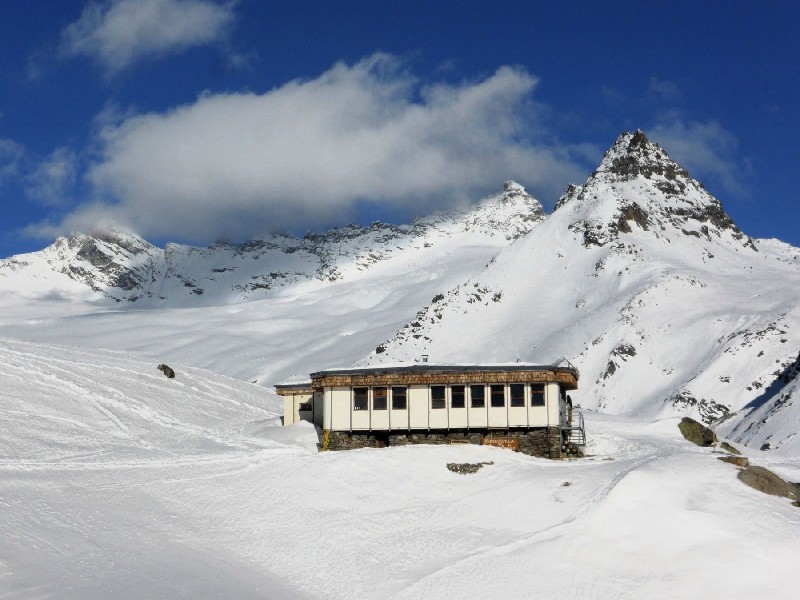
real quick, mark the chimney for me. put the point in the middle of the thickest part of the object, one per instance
(424, 358)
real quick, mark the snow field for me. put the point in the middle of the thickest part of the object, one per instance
(192, 489)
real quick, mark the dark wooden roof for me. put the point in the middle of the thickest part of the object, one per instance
(424, 373)
(303, 387)
(432, 368)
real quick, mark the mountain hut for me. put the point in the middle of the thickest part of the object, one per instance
(522, 406)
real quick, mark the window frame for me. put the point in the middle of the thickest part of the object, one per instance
(438, 403)
(462, 395)
(385, 398)
(472, 388)
(517, 401)
(395, 398)
(360, 402)
(493, 396)
(535, 393)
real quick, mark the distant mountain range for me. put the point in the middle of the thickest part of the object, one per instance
(123, 266)
(638, 277)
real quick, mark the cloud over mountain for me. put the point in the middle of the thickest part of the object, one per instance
(312, 151)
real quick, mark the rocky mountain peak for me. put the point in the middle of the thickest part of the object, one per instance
(511, 187)
(129, 242)
(632, 154)
(104, 259)
(638, 186)
(511, 214)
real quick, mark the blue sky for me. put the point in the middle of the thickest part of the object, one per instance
(199, 120)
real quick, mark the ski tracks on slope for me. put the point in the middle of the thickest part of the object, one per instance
(417, 588)
(62, 375)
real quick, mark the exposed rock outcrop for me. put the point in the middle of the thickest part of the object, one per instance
(166, 371)
(766, 481)
(697, 433)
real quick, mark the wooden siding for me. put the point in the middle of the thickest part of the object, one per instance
(293, 390)
(564, 378)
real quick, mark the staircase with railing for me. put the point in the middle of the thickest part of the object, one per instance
(573, 429)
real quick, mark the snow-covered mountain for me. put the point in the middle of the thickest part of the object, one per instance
(640, 279)
(123, 266)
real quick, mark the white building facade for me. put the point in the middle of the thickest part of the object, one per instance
(387, 405)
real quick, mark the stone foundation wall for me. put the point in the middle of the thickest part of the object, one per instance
(543, 442)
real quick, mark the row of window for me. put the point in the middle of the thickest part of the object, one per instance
(458, 397)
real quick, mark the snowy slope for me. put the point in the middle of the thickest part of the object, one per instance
(643, 282)
(63, 405)
(383, 274)
(770, 421)
(118, 482)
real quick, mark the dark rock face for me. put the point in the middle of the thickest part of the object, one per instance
(675, 199)
(632, 213)
(709, 410)
(106, 252)
(618, 355)
(766, 481)
(642, 157)
(166, 371)
(697, 433)
(92, 254)
(572, 191)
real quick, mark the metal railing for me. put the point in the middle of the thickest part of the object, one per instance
(573, 428)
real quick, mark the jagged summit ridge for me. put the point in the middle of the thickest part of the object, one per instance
(633, 154)
(639, 186)
(123, 266)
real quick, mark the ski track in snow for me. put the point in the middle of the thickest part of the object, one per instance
(561, 528)
(207, 509)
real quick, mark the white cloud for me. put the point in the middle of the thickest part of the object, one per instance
(666, 89)
(704, 149)
(308, 153)
(52, 180)
(12, 155)
(117, 33)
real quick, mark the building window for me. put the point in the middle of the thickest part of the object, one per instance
(477, 395)
(517, 392)
(537, 394)
(399, 396)
(360, 398)
(437, 396)
(457, 396)
(498, 395)
(379, 398)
